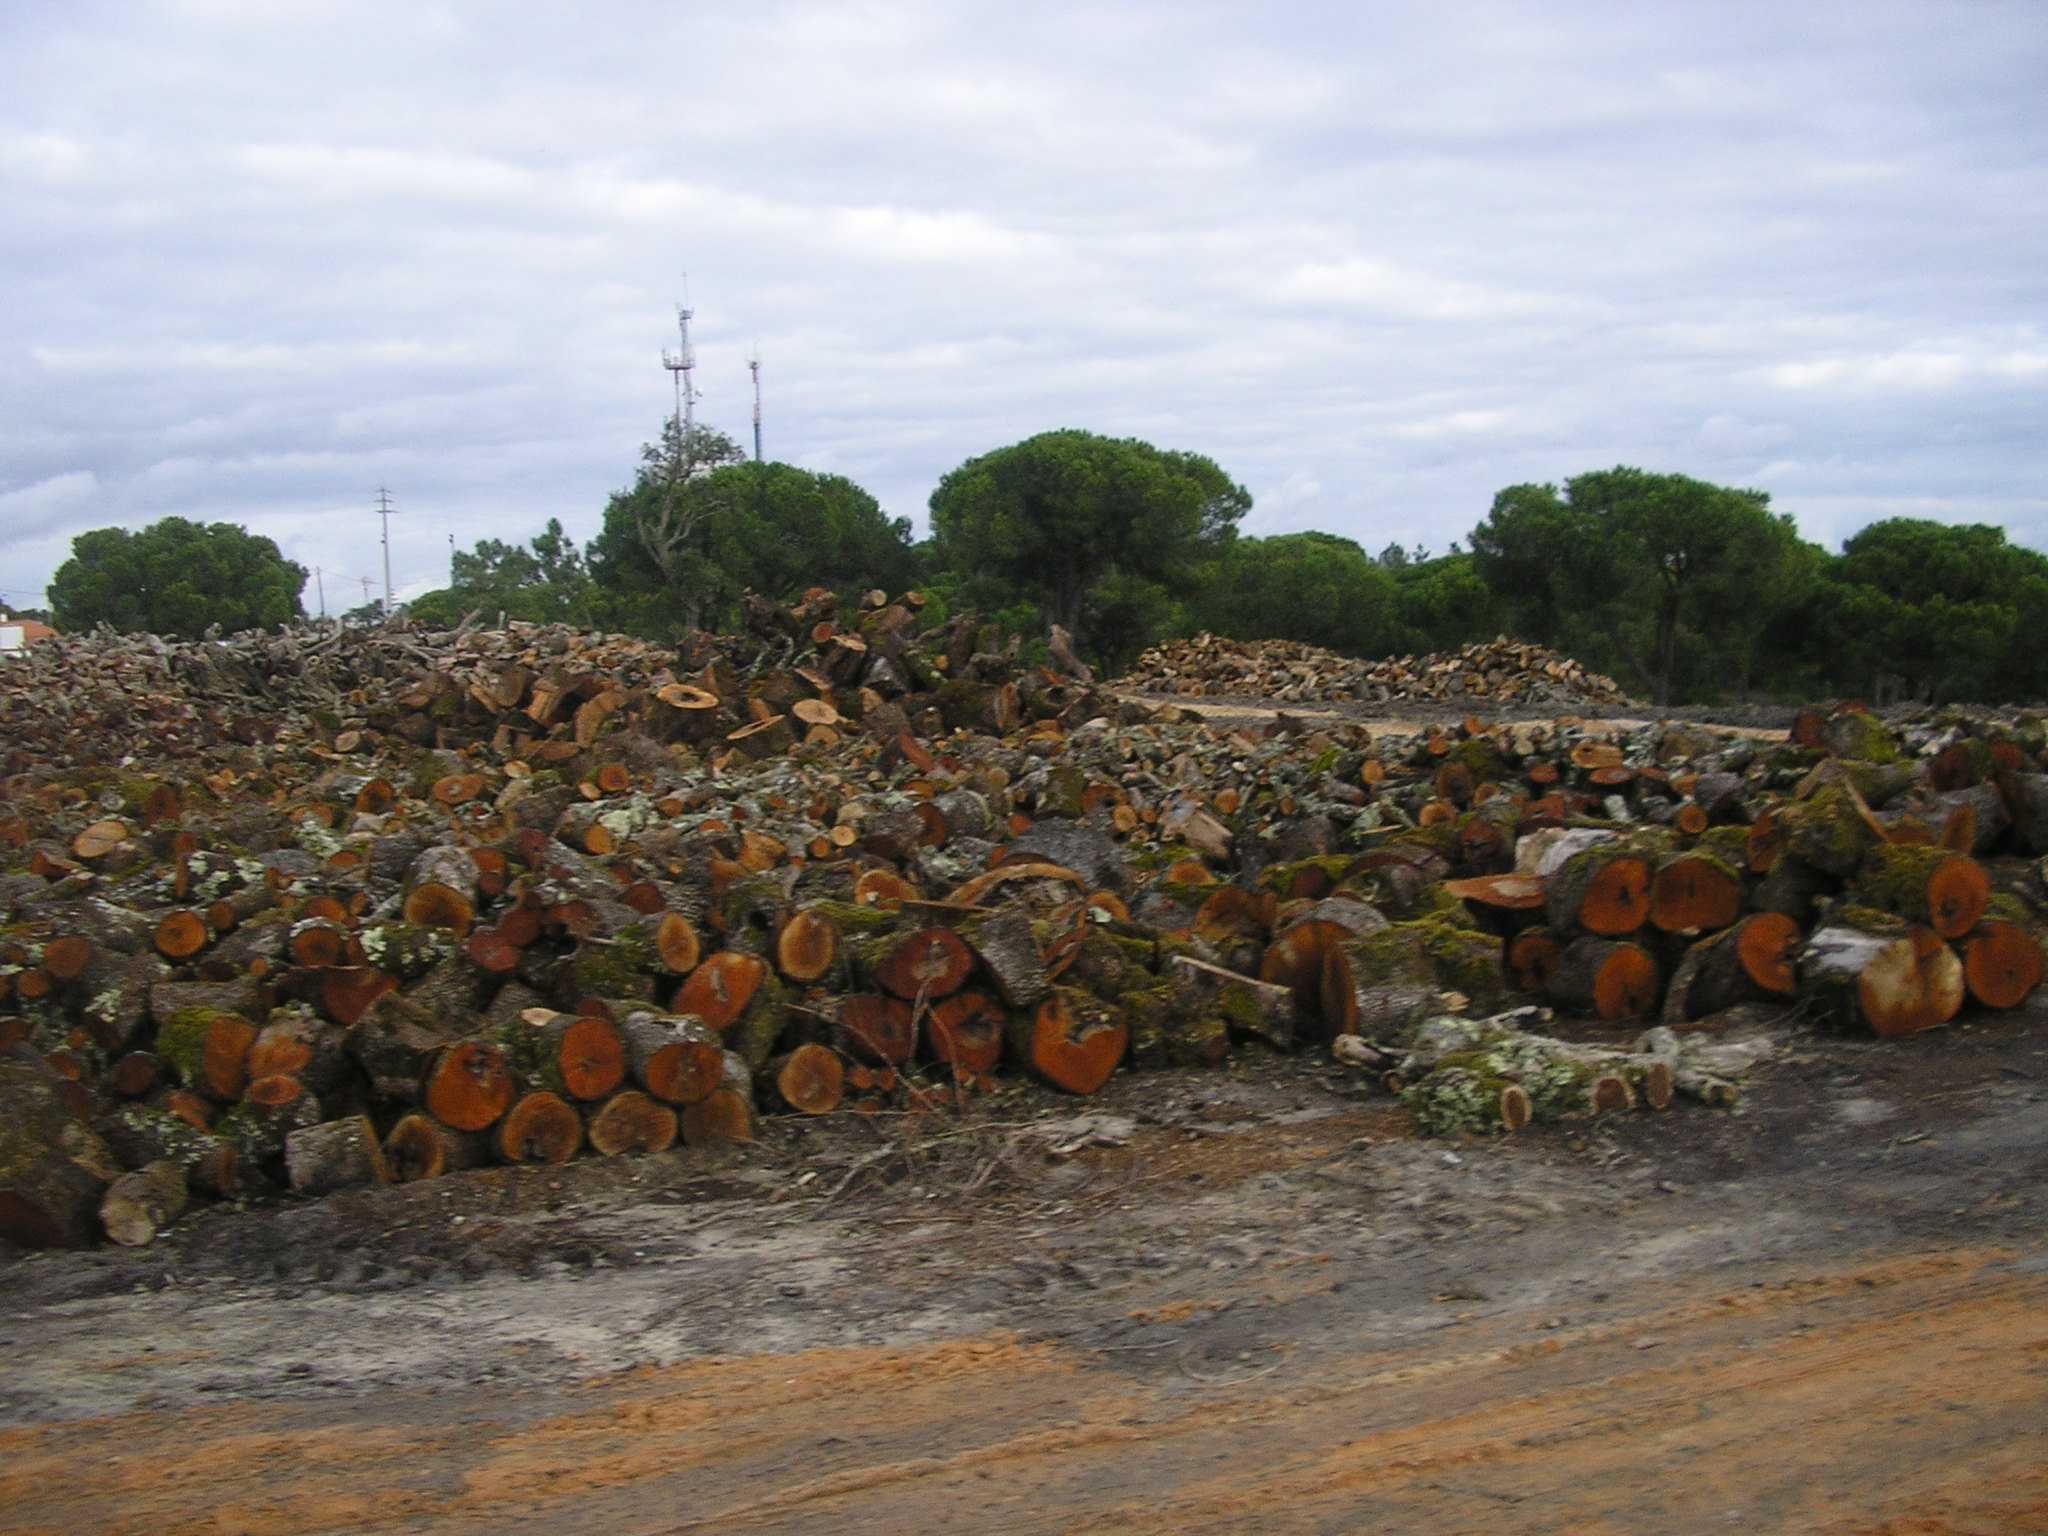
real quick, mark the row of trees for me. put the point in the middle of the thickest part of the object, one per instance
(1684, 590)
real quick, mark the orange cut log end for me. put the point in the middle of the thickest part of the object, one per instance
(1764, 947)
(2001, 964)
(966, 1033)
(470, 1086)
(632, 1122)
(1074, 1046)
(1617, 898)
(806, 946)
(720, 988)
(1694, 894)
(181, 935)
(811, 1080)
(540, 1128)
(933, 962)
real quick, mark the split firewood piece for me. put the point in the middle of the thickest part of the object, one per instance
(2002, 963)
(726, 1114)
(806, 945)
(932, 962)
(336, 1154)
(883, 889)
(141, 1204)
(1071, 1039)
(348, 992)
(441, 889)
(1604, 890)
(810, 1079)
(182, 934)
(1898, 982)
(1610, 978)
(421, 1147)
(1694, 893)
(970, 893)
(208, 1050)
(470, 1086)
(630, 1121)
(965, 1032)
(1947, 891)
(542, 1127)
(1503, 893)
(877, 1028)
(100, 839)
(677, 1059)
(763, 738)
(575, 1055)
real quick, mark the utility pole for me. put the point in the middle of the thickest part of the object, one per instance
(366, 590)
(321, 586)
(754, 367)
(451, 559)
(384, 511)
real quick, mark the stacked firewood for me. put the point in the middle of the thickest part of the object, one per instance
(1499, 672)
(357, 951)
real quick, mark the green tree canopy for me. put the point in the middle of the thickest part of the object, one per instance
(1057, 515)
(1313, 587)
(543, 581)
(1667, 576)
(176, 578)
(692, 533)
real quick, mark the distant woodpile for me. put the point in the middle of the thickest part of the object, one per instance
(1500, 672)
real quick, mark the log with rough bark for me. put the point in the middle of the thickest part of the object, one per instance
(421, 1147)
(1464, 1074)
(441, 889)
(1071, 1039)
(1946, 891)
(1694, 893)
(1753, 961)
(726, 1114)
(1009, 953)
(575, 1055)
(208, 1051)
(631, 1121)
(676, 1058)
(141, 1204)
(1258, 1009)
(1609, 978)
(335, 1154)
(1604, 890)
(1897, 981)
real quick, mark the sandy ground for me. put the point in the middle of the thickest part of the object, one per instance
(1256, 1302)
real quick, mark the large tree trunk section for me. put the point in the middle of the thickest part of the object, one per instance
(421, 1147)
(1897, 983)
(396, 1044)
(1749, 962)
(632, 1122)
(1375, 989)
(1072, 1040)
(676, 1059)
(470, 1086)
(1830, 830)
(575, 1055)
(1604, 891)
(1947, 891)
(138, 1205)
(810, 1079)
(2001, 963)
(1294, 960)
(1694, 893)
(541, 1128)
(337, 1154)
(726, 1114)
(1609, 978)
(965, 1032)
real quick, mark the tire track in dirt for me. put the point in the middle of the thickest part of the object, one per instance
(1905, 1395)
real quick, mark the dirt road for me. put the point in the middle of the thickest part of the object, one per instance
(1261, 1305)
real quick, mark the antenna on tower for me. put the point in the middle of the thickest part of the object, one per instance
(682, 364)
(754, 367)
(384, 511)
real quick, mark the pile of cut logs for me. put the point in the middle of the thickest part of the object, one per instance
(566, 915)
(1499, 672)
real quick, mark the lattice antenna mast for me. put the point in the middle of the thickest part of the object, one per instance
(754, 367)
(385, 511)
(683, 363)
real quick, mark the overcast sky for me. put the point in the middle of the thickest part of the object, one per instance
(258, 257)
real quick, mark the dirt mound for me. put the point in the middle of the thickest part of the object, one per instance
(1500, 671)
